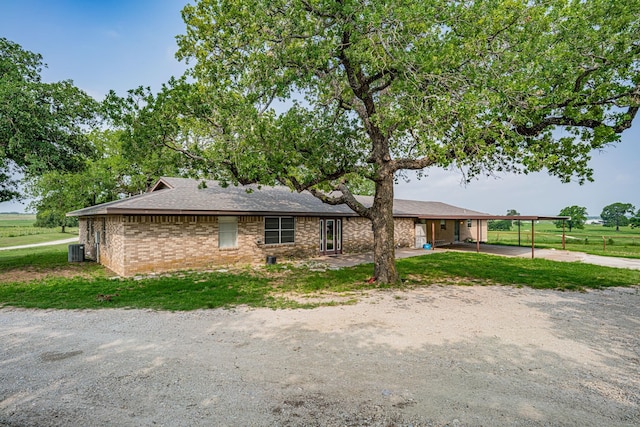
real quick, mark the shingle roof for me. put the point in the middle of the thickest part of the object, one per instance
(180, 196)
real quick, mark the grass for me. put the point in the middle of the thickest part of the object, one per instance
(281, 286)
(187, 291)
(43, 258)
(18, 230)
(623, 243)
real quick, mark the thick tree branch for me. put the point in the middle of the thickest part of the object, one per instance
(345, 198)
(414, 164)
(544, 124)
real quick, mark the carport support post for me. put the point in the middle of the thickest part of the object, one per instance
(563, 238)
(478, 235)
(519, 222)
(532, 239)
(433, 235)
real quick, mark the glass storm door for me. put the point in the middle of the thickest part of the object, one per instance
(330, 236)
(421, 235)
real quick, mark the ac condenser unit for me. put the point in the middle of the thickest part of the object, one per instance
(76, 253)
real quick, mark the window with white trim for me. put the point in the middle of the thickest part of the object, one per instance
(228, 232)
(469, 223)
(279, 230)
(443, 224)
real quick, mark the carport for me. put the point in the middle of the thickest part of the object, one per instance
(478, 218)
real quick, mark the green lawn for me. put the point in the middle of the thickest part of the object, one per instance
(18, 230)
(44, 257)
(280, 286)
(591, 239)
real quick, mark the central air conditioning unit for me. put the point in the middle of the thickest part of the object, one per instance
(76, 253)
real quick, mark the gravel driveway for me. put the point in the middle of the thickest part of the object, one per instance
(457, 356)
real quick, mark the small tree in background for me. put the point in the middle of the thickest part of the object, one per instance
(616, 214)
(578, 216)
(499, 225)
(54, 218)
(513, 212)
(634, 221)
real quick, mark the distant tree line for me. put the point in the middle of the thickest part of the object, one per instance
(614, 215)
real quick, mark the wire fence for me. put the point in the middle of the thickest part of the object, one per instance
(604, 243)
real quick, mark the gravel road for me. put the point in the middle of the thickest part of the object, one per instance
(435, 356)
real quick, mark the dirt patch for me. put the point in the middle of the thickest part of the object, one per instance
(28, 274)
(436, 356)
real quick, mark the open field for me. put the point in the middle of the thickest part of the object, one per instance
(591, 239)
(18, 229)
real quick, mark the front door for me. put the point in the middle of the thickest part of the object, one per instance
(330, 236)
(456, 231)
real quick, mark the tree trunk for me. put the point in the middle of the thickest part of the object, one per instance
(384, 256)
(63, 228)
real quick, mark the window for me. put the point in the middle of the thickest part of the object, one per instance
(278, 230)
(469, 223)
(227, 232)
(443, 224)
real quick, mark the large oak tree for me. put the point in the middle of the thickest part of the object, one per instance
(617, 214)
(319, 94)
(42, 125)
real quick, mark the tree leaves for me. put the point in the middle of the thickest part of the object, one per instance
(42, 125)
(616, 214)
(487, 85)
(492, 85)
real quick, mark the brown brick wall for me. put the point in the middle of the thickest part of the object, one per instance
(110, 230)
(404, 232)
(358, 235)
(133, 244)
(142, 244)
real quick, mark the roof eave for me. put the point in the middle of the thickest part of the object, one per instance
(120, 211)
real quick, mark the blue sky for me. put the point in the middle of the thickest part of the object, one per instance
(119, 45)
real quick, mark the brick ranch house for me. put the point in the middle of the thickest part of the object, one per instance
(182, 224)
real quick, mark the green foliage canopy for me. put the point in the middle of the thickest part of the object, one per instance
(42, 125)
(124, 165)
(578, 216)
(615, 214)
(379, 87)
(634, 221)
(499, 225)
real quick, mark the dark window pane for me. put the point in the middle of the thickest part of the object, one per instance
(287, 223)
(287, 236)
(271, 223)
(271, 237)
